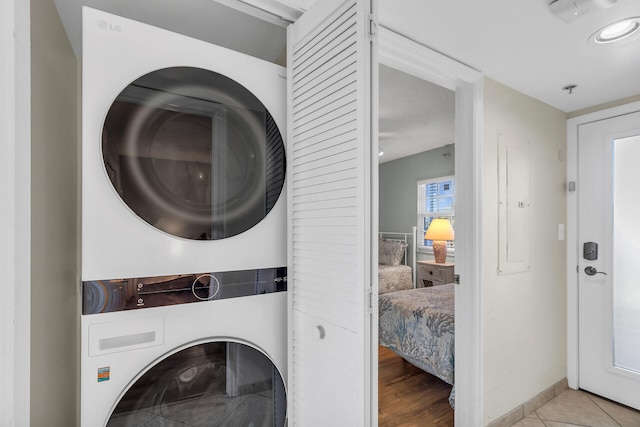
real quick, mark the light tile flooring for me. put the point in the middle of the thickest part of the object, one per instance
(574, 408)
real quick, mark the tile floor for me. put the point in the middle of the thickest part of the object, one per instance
(574, 408)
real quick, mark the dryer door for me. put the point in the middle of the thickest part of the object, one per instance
(193, 153)
(209, 384)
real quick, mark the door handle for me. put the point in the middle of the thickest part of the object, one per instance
(591, 271)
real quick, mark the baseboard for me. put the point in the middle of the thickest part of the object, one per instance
(531, 405)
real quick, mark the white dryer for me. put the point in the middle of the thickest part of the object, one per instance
(183, 231)
(183, 161)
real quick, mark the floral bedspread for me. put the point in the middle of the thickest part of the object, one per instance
(418, 324)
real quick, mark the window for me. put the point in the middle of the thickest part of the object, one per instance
(436, 199)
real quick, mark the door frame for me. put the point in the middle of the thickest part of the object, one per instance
(15, 242)
(411, 57)
(573, 246)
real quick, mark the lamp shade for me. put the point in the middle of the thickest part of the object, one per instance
(439, 229)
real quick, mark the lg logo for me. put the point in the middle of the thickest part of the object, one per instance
(104, 25)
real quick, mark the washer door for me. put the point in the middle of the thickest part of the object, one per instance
(193, 153)
(210, 384)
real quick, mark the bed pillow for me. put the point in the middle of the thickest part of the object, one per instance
(390, 252)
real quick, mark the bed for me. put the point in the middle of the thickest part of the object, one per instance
(418, 325)
(394, 271)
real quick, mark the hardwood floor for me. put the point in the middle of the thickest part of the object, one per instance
(408, 396)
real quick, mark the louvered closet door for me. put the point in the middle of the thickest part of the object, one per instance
(330, 202)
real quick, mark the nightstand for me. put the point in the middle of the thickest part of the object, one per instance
(430, 273)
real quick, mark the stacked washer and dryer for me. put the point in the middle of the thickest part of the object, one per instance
(183, 231)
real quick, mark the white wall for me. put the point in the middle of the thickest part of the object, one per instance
(54, 221)
(524, 313)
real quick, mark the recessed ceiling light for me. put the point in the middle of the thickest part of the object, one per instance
(617, 31)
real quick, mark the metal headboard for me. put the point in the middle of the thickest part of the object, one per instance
(410, 240)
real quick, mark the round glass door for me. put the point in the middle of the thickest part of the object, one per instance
(193, 153)
(210, 384)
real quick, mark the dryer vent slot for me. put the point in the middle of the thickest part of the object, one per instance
(126, 341)
(124, 335)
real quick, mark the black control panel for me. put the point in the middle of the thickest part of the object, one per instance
(104, 296)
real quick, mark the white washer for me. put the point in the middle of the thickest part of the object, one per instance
(184, 365)
(183, 263)
(191, 136)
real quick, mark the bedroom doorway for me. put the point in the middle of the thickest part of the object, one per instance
(416, 184)
(464, 85)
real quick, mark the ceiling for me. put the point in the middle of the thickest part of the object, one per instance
(518, 43)
(414, 115)
(522, 45)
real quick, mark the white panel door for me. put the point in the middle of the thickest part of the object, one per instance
(330, 215)
(609, 295)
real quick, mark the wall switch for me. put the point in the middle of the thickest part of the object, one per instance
(560, 231)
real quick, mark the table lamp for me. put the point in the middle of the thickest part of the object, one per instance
(439, 232)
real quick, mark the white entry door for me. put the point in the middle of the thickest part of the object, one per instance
(331, 149)
(609, 255)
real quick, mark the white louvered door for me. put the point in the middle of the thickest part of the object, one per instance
(330, 174)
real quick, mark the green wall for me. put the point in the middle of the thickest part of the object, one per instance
(54, 221)
(398, 179)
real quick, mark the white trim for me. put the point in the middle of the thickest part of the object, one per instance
(420, 61)
(15, 170)
(572, 231)
(407, 55)
(272, 11)
(371, 239)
